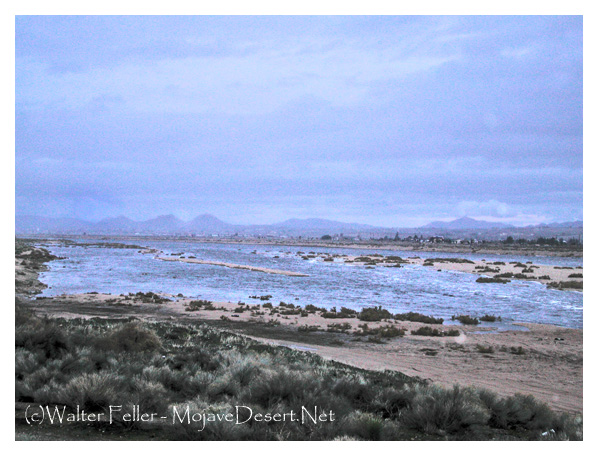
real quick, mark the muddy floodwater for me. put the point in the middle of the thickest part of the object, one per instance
(326, 284)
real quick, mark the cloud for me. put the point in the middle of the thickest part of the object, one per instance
(258, 82)
(488, 208)
(384, 119)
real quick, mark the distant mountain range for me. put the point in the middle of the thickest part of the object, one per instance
(465, 223)
(207, 224)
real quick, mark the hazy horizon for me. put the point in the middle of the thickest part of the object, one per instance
(186, 220)
(392, 121)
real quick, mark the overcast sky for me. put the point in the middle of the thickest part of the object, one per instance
(393, 121)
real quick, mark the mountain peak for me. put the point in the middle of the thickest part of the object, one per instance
(465, 223)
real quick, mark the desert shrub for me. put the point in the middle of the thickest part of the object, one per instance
(490, 318)
(205, 359)
(284, 385)
(23, 315)
(447, 260)
(437, 410)
(313, 309)
(417, 317)
(566, 285)
(211, 369)
(341, 314)
(177, 381)
(518, 411)
(149, 396)
(485, 280)
(289, 311)
(244, 369)
(384, 331)
(308, 328)
(130, 337)
(391, 401)
(523, 276)
(355, 389)
(339, 328)
(223, 386)
(362, 259)
(395, 258)
(42, 336)
(504, 275)
(148, 297)
(429, 331)
(485, 269)
(466, 319)
(364, 426)
(26, 362)
(93, 392)
(575, 275)
(517, 350)
(196, 305)
(374, 314)
(485, 349)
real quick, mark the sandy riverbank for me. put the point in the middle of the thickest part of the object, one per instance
(501, 271)
(490, 248)
(231, 265)
(545, 361)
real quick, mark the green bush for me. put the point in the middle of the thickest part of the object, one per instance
(565, 285)
(485, 280)
(490, 318)
(209, 369)
(339, 328)
(429, 331)
(384, 331)
(417, 317)
(129, 337)
(344, 313)
(485, 349)
(466, 319)
(308, 328)
(436, 410)
(196, 305)
(374, 314)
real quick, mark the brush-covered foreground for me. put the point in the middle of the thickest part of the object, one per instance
(92, 364)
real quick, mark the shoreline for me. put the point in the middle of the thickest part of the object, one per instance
(231, 265)
(489, 248)
(546, 361)
(499, 272)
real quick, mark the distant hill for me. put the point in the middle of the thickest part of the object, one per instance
(322, 224)
(161, 225)
(207, 224)
(573, 224)
(465, 223)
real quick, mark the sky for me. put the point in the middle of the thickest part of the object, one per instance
(393, 121)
